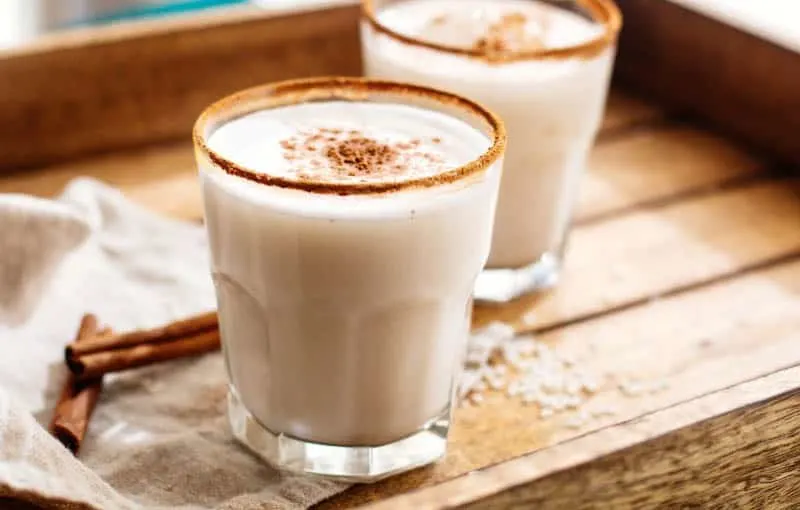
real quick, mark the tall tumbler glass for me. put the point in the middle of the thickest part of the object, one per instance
(544, 67)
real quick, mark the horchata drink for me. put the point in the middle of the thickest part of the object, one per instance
(544, 68)
(348, 220)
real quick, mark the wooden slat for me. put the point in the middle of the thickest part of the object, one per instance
(645, 254)
(624, 111)
(127, 86)
(696, 343)
(746, 456)
(651, 165)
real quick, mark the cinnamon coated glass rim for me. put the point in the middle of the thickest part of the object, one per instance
(287, 93)
(603, 12)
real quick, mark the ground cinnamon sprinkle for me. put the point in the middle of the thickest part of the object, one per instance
(507, 34)
(359, 155)
(350, 154)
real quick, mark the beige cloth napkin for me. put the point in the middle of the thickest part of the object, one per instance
(159, 438)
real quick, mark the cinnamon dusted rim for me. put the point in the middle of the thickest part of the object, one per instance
(604, 12)
(349, 89)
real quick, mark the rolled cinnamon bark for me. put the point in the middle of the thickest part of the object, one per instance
(78, 399)
(95, 365)
(173, 331)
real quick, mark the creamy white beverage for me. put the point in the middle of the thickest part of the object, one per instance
(545, 70)
(344, 257)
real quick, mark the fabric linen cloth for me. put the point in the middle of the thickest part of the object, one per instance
(159, 436)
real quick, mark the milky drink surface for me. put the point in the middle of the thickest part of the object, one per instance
(552, 107)
(344, 317)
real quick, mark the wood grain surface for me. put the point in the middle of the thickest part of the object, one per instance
(626, 170)
(624, 111)
(733, 448)
(649, 253)
(751, 454)
(683, 272)
(694, 343)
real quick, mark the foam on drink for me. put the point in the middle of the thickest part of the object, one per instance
(500, 26)
(338, 141)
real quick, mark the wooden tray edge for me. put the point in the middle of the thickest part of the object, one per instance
(677, 448)
(113, 88)
(745, 85)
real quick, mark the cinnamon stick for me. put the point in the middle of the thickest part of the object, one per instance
(78, 399)
(173, 331)
(96, 364)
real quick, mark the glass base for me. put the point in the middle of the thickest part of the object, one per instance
(498, 285)
(344, 463)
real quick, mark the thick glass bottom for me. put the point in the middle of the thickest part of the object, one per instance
(500, 285)
(346, 463)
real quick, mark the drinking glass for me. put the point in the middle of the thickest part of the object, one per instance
(551, 97)
(344, 307)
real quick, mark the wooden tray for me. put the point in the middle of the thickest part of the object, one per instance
(683, 269)
(696, 56)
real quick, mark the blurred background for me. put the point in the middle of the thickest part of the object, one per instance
(21, 21)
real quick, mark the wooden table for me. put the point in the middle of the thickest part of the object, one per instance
(683, 267)
(683, 272)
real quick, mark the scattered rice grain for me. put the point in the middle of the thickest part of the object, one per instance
(529, 318)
